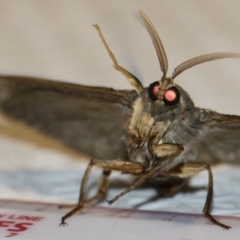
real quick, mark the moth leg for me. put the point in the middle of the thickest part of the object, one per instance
(137, 183)
(168, 151)
(100, 193)
(188, 169)
(107, 165)
(102, 190)
(119, 165)
(80, 204)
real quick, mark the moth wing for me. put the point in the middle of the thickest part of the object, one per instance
(91, 120)
(221, 140)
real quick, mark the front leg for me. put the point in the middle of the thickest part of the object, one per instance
(107, 165)
(166, 151)
(188, 169)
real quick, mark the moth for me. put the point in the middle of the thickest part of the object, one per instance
(152, 133)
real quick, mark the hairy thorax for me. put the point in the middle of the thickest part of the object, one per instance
(148, 133)
(144, 133)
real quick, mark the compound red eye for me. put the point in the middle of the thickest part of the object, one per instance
(172, 96)
(153, 90)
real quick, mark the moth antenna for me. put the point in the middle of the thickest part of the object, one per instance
(133, 80)
(162, 57)
(201, 59)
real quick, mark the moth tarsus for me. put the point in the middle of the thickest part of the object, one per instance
(153, 133)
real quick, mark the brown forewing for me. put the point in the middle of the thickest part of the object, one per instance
(221, 140)
(91, 120)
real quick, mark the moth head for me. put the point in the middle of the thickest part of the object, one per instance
(168, 93)
(165, 90)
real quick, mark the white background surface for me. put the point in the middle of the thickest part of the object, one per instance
(55, 40)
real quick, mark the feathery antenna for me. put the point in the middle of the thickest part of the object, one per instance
(133, 80)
